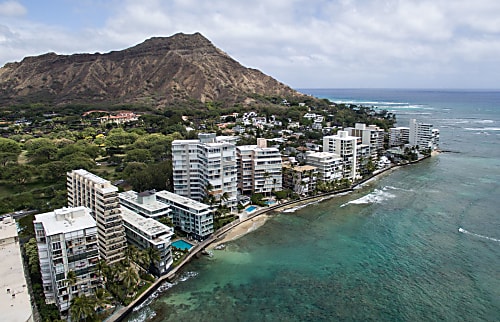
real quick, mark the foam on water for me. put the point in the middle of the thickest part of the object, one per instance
(463, 231)
(144, 306)
(377, 196)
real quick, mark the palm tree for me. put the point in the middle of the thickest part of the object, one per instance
(102, 268)
(131, 253)
(82, 307)
(129, 277)
(70, 281)
(101, 297)
(154, 256)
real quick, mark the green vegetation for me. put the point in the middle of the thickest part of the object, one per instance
(38, 146)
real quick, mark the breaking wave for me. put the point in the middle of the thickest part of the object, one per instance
(377, 196)
(463, 231)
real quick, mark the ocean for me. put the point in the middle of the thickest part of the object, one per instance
(421, 243)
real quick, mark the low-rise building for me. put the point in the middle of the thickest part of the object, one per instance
(15, 303)
(145, 233)
(67, 241)
(192, 217)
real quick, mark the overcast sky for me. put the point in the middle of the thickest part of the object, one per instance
(303, 43)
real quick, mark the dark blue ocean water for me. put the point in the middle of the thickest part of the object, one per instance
(419, 244)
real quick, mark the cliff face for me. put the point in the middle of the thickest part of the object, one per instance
(157, 72)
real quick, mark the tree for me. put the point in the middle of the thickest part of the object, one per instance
(31, 251)
(154, 256)
(129, 277)
(82, 308)
(71, 280)
(9, 151)
(40, 150)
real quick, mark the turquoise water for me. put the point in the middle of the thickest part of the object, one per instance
(181, 244)
(419, 244)
(250, 209)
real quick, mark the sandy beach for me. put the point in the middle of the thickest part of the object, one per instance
(241, 230)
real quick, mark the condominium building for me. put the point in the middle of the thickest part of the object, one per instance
(147, 233)
(399, 136)
(144, 203)
(15, 303)
(205, 167)
(259, 168)
(192, 217)
(345, 146)
(329, 166)
(87, 189)
(67, 241)
(300, 179)
(423, 135)
(370, 135)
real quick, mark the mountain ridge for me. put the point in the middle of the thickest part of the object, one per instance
(157, 72)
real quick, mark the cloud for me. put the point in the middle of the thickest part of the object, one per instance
(321, 43)
(12, 9)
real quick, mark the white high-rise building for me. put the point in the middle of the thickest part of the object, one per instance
(423, 135)
(147, 233)
(259, 168)
(399, 136)
(67, 241)
(205, 167)
(370, 135)
(192, 217)
(345, 146)
(87, 189)
(329, 166)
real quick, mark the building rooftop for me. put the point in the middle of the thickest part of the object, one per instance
(15, 302)
(106, 185)
(149, 205)
(323, 155)
(193, 204)
(66, 220)
(148, 225)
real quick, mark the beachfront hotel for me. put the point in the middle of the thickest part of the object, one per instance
(259, 168)
(205, 167)
(67, 241)
(192, 217)
(15, 303)
(87, 189)
(144, 203)
(345, 146)
(147, 233)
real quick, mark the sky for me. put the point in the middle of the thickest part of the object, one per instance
(302, 43)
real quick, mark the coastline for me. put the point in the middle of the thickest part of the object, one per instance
(239, 228)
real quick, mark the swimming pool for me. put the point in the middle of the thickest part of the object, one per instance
(270, 202)
(180, 244)
(250, 209)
